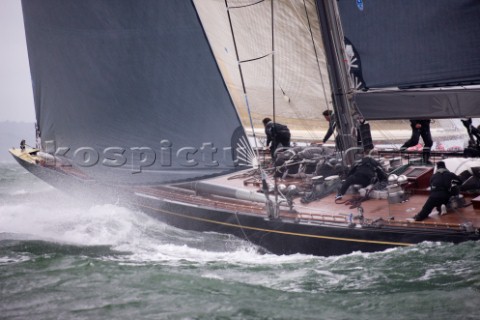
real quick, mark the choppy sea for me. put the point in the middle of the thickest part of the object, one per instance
(62, 257)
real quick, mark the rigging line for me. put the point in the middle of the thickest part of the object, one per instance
(273, 106)
(242, 78)
(311, 133)
(241, 227)
(262, 171)
(314, 45)
(316, 53)
(273, 60)
(308, 129)
(386, 136)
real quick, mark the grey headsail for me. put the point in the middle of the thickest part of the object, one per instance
(129, 91)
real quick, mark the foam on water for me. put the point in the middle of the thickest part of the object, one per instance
(144, 238)
(11, 259)
(126, 230)
(134, 238)
(138, 239)
(49, 215)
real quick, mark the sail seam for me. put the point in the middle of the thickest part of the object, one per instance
(245, 6)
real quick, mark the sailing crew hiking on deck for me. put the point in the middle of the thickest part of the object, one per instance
(443, 185)
(278, 134)
(420, 128)
(364, 173)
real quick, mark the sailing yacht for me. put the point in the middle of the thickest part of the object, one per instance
(158, 105)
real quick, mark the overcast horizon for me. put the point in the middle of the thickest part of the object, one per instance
(16, 97)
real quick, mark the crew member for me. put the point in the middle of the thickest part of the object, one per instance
(420, 128)
(441, 191)
(329, 116)
(367, 171)
(277, 134)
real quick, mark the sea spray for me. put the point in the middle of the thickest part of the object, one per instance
(62, 257)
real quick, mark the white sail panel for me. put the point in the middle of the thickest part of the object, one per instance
(302, 87)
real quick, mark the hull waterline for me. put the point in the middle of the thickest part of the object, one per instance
(279, 236)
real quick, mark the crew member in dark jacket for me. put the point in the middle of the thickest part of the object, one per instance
(328, 115)
(420, 128)
(278, 134)
(441, 191)
(367, 171)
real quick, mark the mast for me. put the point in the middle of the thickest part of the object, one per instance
(342, 95)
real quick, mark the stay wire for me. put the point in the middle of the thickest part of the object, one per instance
(241, 73)
(316, 53)
(262, 172)
(273, 103)
(314, 45)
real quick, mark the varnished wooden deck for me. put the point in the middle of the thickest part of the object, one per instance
(373, 209)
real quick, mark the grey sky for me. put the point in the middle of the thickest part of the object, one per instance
(16, 98)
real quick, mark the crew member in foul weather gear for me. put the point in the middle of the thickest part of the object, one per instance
(420, 128)
(328, 115)
(442, 185)
(277, 134)
(366, 172)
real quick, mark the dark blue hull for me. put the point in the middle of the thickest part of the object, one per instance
(279, 236)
